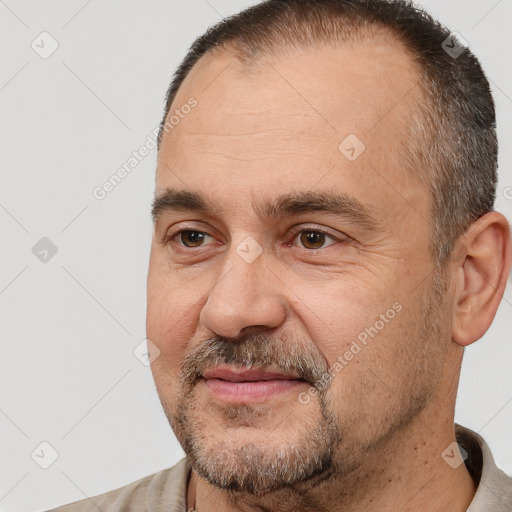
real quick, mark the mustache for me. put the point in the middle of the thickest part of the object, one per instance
(254, 350)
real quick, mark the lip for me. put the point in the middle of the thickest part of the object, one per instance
(232, 374)
(249, 384)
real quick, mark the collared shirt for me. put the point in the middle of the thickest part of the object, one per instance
(166, 491)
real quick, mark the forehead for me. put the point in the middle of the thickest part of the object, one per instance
(289, 118)
(336, 85)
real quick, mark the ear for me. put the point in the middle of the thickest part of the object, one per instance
(482, 260)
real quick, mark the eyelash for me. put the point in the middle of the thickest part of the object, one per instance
(309, 229)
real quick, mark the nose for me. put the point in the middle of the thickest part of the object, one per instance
(245, 297)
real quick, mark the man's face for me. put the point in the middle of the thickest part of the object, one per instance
(297, 292)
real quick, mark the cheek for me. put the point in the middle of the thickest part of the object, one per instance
(370, 385)
(338, 317)
(171, 320)
(385, 363)
(169, 330)
(365, 336)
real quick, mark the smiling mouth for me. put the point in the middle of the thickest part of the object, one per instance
(265, 379)
(252, 374)
(249, 384)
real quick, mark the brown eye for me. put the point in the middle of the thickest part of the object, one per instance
(192, 238)
(313, 239)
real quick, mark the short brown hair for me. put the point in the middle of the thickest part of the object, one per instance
(452, 145)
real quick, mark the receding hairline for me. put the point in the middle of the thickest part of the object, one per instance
(450, 140)
(249, 60)
(251, 63)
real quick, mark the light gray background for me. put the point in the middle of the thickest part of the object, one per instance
(70, 325)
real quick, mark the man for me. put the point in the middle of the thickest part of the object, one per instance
(325, 246)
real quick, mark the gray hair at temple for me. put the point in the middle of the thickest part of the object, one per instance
(449, 141)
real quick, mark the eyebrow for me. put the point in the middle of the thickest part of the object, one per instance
(284, 205)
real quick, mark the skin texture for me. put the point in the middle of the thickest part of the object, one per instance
(373, 438)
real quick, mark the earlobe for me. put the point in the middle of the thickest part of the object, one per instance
(481, 276)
